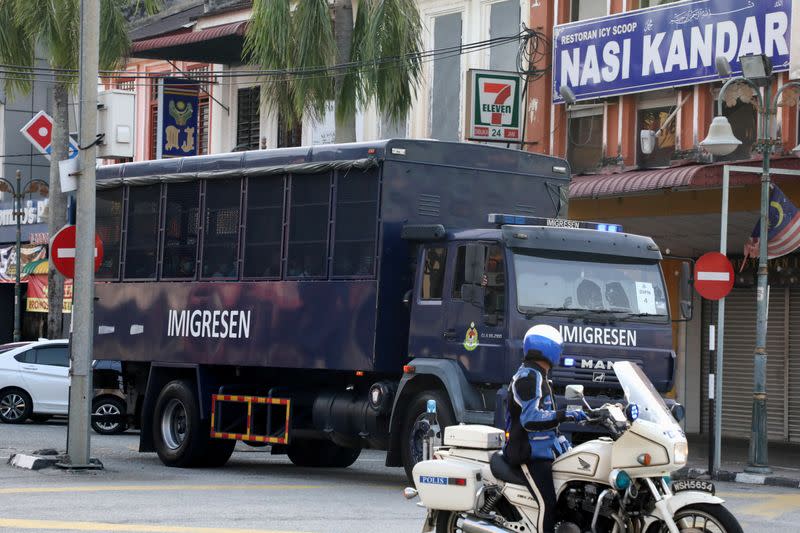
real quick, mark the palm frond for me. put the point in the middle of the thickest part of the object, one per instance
(15, 49)
(316, 51)
(392, 68)
(270, 44)
(114, 40)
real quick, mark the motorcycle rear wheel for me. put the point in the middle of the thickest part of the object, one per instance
(447, 522)
(701, 518)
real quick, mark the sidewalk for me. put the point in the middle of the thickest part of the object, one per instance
(784, 460)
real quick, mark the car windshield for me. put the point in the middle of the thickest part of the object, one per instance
(548, 284)
(639, 390)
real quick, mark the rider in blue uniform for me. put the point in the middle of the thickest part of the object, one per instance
(532, 418)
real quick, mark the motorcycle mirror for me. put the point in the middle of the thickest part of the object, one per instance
(678, 411)
(574, 392)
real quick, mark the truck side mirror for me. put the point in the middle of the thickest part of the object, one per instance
(686, 302)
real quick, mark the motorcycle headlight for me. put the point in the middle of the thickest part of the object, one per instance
(681, 452)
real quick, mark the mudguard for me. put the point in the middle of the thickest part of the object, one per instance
(688, 497)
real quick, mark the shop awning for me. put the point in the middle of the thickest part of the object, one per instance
(220, 44)
(674, 178)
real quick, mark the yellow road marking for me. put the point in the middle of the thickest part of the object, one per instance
(106, 526)
(145, 488)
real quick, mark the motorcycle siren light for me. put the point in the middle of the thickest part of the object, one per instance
(432, 406)
(619, 479)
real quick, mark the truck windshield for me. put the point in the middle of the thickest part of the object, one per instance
(580, 287)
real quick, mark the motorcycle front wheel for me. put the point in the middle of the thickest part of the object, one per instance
(701, 518)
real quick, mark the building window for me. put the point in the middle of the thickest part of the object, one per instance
(141, 243)
(248, 118)
(356, 215)
(264, 236)
(308, 225)
(432, 285)
(445, 96)
(201, 73)
(504, 21)
(221, 228)
(109, 229)
(744, 122)
(653, 3)
(585, 140)
(180, 231)
(653, 110)
(588, 9)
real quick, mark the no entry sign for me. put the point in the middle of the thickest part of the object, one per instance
(713, 276)
(62, 251)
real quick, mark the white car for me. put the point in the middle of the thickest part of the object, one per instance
(34, 380)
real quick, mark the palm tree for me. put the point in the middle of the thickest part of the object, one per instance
(52, 27)
(329, 56)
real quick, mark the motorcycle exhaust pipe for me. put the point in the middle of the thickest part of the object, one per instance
(470, 525)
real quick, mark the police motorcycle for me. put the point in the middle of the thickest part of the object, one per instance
(618, 483)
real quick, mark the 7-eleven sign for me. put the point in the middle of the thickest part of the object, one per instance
(494, 101)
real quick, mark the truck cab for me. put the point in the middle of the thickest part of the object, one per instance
(478, 291)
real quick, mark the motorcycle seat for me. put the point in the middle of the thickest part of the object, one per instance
(504, 471)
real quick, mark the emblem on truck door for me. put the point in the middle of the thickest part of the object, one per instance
(471, 338)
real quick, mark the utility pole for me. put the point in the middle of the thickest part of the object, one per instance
(17, 288)
(83, 291)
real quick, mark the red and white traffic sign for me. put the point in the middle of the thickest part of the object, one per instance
(39, 131)
(713, 276)
(62, 251)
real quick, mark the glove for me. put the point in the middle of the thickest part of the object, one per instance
(577, 415)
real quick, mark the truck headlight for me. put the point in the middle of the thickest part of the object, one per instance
(681, 452)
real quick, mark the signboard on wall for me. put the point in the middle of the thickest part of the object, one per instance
(8, 261)
(36, 301)
(178, 109)
(494, 106)
(667, 46)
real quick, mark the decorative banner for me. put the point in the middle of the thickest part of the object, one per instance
(667, 46)
(37, 294)
(494, 104)
(8, 261)
(178, 104)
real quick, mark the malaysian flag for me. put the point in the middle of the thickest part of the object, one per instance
(784, 228)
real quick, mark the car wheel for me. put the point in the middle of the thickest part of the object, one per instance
(108, 406)
(15, 406)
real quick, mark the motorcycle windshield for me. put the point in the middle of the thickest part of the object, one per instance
(640, 391)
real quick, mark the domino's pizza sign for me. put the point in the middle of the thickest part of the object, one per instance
(494, 103)
(667, 46)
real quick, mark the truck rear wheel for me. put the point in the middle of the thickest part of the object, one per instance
(411, 434)
(180, 436)
(321, 453)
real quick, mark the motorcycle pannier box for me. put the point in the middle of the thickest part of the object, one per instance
(474, 436)
(448, 485)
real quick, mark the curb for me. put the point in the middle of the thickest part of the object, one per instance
(738, 477)
(32, 462)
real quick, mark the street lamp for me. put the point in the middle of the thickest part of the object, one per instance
(17, 194)
(757, 72)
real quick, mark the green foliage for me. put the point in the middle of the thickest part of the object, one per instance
(384, 67)
(55, 26)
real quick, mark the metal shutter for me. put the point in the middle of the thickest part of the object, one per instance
(794, 367)
(740, 337)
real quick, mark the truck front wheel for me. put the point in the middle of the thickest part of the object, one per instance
(412, 432)
(181, 438)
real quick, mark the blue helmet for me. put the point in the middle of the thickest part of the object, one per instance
(545, 342)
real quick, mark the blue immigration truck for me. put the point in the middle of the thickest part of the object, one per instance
(314, 299)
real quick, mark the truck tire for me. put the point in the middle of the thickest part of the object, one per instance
(180, 436)
(321, 454)
(411, 437)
